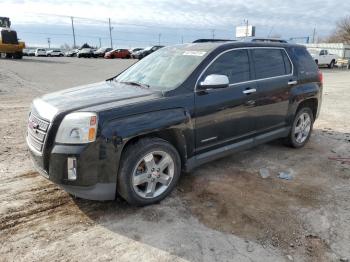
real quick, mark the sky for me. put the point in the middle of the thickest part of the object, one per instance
(140, 23)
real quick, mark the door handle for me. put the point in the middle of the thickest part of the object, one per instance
(292, 83)
(249, 91)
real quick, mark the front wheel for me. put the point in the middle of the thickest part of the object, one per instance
(301, 129)
(149, 171)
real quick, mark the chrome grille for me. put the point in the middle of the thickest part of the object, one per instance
(36, 132)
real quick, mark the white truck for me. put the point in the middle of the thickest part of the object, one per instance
(322, 57)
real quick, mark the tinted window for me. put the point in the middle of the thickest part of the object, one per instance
(269, 63)
(233, 64)
(306, 64)
(287, 63)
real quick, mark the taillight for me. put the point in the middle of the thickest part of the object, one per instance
(320, 77)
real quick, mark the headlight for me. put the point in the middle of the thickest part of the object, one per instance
(77, 128)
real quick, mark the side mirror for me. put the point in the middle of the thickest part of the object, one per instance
(214, 81)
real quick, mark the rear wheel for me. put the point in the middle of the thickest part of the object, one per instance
(301, 129)
(149, 171)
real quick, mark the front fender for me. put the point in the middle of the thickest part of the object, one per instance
(175, 124)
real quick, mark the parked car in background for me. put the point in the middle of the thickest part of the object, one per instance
(145, 52)
(72, 53)
(54, 53)
(323, 58)
(178, 108)
(40, 52)
(25, 51)
(102, 51)
(85, 52)
(134, 51)
(31, 52)
(118, 53)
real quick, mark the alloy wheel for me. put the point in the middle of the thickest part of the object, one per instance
(153, 174)
(302, 128)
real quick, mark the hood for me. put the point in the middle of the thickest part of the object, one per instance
(89, 95)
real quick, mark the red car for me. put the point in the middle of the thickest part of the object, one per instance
(118, 53)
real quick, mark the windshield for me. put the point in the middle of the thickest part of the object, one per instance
(165, 69)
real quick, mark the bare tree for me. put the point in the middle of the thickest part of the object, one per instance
(341, 33)
(65, 46)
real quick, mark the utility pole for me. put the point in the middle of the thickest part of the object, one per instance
(213, 33)
(182, 39)
(110, 31)
(74, 44)
(159, 36)
(49, 41)
(99, 39)
(313, 36)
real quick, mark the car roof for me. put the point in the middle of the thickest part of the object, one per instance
(210, 46)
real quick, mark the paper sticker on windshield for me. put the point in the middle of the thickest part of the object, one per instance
(194, 53)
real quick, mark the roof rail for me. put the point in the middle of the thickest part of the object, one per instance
(266, 40)
(203, 40)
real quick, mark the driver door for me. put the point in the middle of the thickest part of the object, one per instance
(225, 115)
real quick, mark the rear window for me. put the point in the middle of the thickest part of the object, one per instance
(305, 62)
(271, 62)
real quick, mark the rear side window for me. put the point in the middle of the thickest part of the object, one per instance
(234, 64)
(271, 63)
(306, 64)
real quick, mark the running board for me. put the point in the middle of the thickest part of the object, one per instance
(221, 152)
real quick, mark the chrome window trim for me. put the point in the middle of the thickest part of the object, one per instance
(250, 81)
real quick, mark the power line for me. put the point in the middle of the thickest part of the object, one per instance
(131, 24)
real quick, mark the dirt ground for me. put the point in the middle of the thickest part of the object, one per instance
(223, 211)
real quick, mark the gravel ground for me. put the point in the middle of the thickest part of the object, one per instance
(223, 211)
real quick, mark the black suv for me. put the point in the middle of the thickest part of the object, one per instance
(178, 108)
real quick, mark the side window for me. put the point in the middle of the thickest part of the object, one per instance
(323, 52)
(234, 64)
(306, 64)
(287, 63)
(269, 63)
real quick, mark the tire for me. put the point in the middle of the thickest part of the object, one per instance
(331, 65)
(8, 56)
(316, 61)
(18, 55)
(294, 138)
(151, 185)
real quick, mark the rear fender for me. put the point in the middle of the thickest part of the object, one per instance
(301, 93)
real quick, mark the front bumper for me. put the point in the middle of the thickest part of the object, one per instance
(96, 180)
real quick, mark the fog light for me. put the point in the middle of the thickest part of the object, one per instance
(72, 168)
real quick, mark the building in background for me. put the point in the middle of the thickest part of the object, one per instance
(339, 49)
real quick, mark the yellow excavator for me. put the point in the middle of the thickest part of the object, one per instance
(10, 47)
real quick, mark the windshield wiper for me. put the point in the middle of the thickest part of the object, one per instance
(134, 83)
